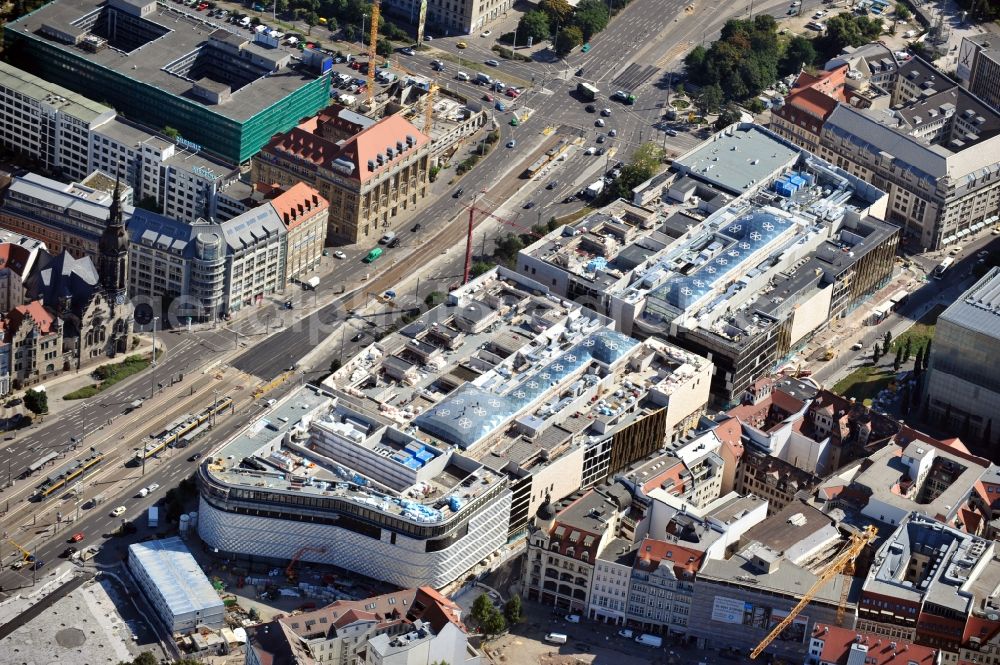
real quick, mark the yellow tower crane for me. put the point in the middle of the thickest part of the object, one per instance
(372, 40)
(429, 108)
(844, 561)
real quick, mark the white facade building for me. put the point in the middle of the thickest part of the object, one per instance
(175, 585)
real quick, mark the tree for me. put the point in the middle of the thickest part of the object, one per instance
(591, 16)
(534, 24)
(799, 52)
(479, 268)
(145, 658)
(728, 116)
(709, 99)
(907, 349)
(888, 338)
(559, 12)
(899, 358)
(434, 298)
(37, 401)
(918, 360)
(481, 608)
(876, 353)
(927, 353)
(331, 24)
(351, 32)
(171, 133)
(568, 39)
(253, 614)
(334, 365)
(848, 30)
(694, 62)
(513, 611)
(644, 164)
(902, 12)
(383, 47)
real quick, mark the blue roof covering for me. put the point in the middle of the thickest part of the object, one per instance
(471, 413)
(741, 237)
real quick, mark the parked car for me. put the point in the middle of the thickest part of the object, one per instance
(590, 108)
(626, 633)
(600, 122)
(486, 33)
(606, 113)
(573, 618)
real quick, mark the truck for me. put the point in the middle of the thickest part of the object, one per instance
(89, 553)
(483, 79)
(650, 640)
(153, 515)
(624, 97)
(587, 91)
(135, 404)
(311, 283)
(556, 638)
(594, 189)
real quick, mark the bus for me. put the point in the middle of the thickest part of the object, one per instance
(587, 91)
(68, 473)
(943, 268)
(372, 255)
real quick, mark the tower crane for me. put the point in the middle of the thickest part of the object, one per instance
(473, 209)
(372, 39)
(843, 562)
(429, 108)
(290, 571)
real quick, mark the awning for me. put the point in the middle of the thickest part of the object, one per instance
(948, 240)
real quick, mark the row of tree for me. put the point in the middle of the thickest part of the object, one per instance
(749, 56)
(492, 621)
(572, 26)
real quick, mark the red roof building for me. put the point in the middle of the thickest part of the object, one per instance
(808, 105)
(305, 214)
(368, 177)
(833, 645)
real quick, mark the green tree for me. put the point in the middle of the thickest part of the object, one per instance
(644, 165)
(903, 12)
(534, 24)
(171, 133)
(331, 24)
(479, 268)
(36, 401)
(435, 298)
(876, 353)
(709, 99)
(694, 62)
(559, 12)
(145, 658)
(513, 611)
(334, 365)
(848, 30)
(918, 362)
(927, 353)
(728, 116)
(907, 348)
(568, 39)
(481, 608)
(383, 47)
(888, 338)
(899, 358)
(591, 16)
(798, 52)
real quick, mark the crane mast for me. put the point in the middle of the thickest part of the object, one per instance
(843, 561)
(372, 39)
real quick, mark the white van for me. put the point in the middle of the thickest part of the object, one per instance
(556, 638)
(245, 21)
(387, 238)
(462, 76)
(573, 618)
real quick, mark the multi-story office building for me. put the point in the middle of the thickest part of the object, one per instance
(72, 136)
(836, 645)
(368, 170)
(452, 17)
(207, 270)
(68, 217)
(48, 123)
(929, 143)
(753, 246)
(532, 384)
(364, 494)
(661, 584)
(963, 390)
(979, 67)
(934, 585)
(170, 66)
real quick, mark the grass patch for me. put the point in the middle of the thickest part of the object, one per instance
(574, 216)
(680, 104)
(110, 374)
(865, 383)
(920, 332)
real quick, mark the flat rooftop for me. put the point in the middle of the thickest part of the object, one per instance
(737, 159)
(978, 309)
(168, 47)
(173, 570)
(196, 162)
(54, 95)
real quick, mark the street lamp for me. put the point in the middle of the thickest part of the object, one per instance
(362, 38)
(152, 365)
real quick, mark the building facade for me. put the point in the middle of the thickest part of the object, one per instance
(222, 91)
(451, 18)
(368, 178)
(963, 393)
(304, 213)
(979, 67)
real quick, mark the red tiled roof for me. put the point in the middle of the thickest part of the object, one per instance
(882, 650)
(14, 258)
(970, 520)
(36, 312)
(652, 552)
(299, 203)
(672, 473)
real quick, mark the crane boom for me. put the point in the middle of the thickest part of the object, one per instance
(372, 40)
(842, 561)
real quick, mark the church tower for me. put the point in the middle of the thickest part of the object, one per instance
(113, 258)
